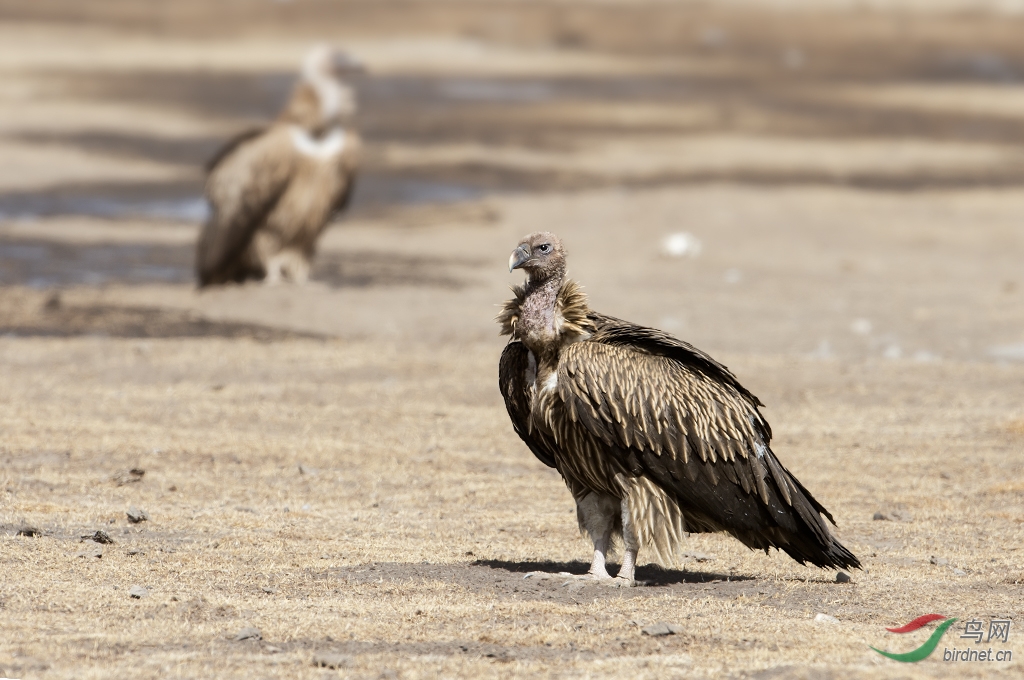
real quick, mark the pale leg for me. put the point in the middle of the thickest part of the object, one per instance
(275, 273)
(287, 265)
(597, 517)
(631, 544)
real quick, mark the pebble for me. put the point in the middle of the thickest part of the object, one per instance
(129, 476)
(842, 577)
(825, 618)
(681, 244)
(135, 551)
(94, 551)
(307, 470)
(960, 572)
(270, 590)
(331, 660)
(100, 537)
(136, 515)
(893, 516)
(661, 629)
(137, 592)
(697, 556)
(248, 634)
(940, 561)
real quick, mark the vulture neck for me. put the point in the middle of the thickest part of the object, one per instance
(552, 314)
(319, 104)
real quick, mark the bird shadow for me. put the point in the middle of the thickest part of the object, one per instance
(651, 574)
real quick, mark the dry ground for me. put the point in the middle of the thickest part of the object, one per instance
(332, 465)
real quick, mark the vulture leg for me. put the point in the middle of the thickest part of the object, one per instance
(631, 544)
(597, 516)
(287, 265)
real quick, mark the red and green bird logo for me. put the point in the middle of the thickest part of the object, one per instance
(929, 645)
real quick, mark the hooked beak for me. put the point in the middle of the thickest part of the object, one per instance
(519, 257)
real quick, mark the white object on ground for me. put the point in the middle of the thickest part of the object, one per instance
(681, 244)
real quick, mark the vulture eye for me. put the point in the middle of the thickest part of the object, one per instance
(544, 248)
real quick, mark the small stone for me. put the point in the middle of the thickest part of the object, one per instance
(270, 590)
(307, 470)
(129, 476)
(662, 629)
(137, 592)
(136, 515)
(248, 634)
(135, 551)
(52, 303)
(825, 618)
(959, 572)
(30, 531)
(698, 556)
(897, 515)
(842, 577)
(939, 561)
(271, 649)
(100, 537)
(331, 660)
(94, 551)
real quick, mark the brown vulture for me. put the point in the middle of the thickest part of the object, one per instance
(653, 437)
(272, 190)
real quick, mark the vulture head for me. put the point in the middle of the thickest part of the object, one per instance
(323, 99)
(324, 61)
(540, 255)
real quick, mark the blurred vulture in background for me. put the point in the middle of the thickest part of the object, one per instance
(272, 190)
(653, 437)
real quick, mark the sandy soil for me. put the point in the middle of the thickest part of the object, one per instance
(332, 465)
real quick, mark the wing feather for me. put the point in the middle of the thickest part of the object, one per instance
(685, 422)
(243, 186)
(515, 389)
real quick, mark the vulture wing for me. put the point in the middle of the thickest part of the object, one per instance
(232, 144)
(515, 389)
(674, 415)
(244, 184)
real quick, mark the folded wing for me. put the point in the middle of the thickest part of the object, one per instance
(244, 184)
(513, 381)
(671, 413)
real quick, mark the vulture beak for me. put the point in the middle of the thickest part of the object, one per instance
(519, 257)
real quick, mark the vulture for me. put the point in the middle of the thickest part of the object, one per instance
(653, 437)
(272, 190)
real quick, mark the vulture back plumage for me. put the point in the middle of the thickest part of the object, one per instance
(273, 189)
(647, 423)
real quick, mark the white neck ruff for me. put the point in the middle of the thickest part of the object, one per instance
(326, 148)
